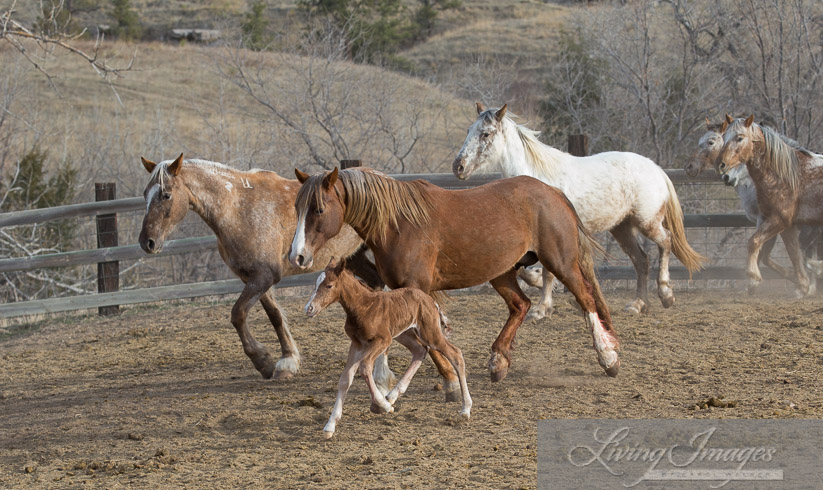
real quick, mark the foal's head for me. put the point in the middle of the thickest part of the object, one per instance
(738, 144)
(320, 214)
(709, 145)
(484, 142)
(166, 203)
(326, 289)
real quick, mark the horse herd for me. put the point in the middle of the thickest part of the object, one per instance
(418, 239)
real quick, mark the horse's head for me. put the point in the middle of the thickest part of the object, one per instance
(320, 213)
(736, 176)
(709, 146)
(738, 145)
(484, 142)
(326, 289)
(167, 203)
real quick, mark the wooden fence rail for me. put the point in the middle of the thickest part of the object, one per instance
(233, 286)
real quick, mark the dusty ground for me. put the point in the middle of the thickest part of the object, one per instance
(165, 396)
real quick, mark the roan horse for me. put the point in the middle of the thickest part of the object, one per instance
(709, 146)
(433, 239)
(620, 192)
(789, 184)
(253, 216)
(373, 319)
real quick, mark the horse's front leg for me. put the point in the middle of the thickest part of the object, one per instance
(790, 240)
(258, 353)
(768, 228)
(289, 362)
(352, 363)
(518, 304)
(544, 308)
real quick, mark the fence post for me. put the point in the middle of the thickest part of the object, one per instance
(344, 164)
(108, 273)
(579, 145)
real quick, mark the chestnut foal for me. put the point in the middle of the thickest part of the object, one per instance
(373, 319)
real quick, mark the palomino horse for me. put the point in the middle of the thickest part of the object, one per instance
(620, 192)
(709, 146)
(789, 184)
(434, 239)
(373, 319)
(252, 215)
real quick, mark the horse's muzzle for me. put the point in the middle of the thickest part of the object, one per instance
(150, 246)
(301, 261)
(459, 168)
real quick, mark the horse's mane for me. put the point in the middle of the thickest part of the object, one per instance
(373, 200)
(160, 174)
(780, 155)
(537, 152)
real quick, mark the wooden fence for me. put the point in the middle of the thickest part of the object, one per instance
(187, 245)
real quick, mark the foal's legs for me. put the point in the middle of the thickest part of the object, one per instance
(790, 239)
(258, 353)
(377, 346)
(544, 307)
(418, 351)
(432, 336)
(289, 362)
(626, 236)
(352, 363)
(518, 303)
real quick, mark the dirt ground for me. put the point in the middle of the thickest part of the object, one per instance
(165, 396)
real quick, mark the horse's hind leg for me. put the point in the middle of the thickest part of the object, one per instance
(289, 362)
(544, 307)
(663, 238)
(258, 353)
(765, 258)
(790, 239)
(567, 270)
(768, 228)
(374, 348)
(518, 303)
(418, 351)
(626, 236)
(432, 336)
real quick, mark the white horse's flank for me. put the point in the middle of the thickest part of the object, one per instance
(620, 192)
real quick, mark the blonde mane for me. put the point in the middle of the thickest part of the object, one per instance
(537, 154)
(780, 154)
(373, 201)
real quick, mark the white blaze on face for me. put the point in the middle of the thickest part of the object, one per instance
(317, 284)
(150, 196)
(299, 241)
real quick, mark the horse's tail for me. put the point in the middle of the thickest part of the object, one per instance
(673, 221)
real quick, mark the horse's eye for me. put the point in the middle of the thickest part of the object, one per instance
(318, 211)
(166, 196)
(739, 139)
(485, 134)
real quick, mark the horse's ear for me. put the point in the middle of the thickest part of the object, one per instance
(332, 263)
(148, 165)
(708, 124)
(729, 119)
(501, 112)
(301, 176)
(176, 166)
(480, 107)
(749, 121)
(724, 126)
(331, 179)
(338, 269)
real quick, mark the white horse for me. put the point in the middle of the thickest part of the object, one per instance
(620, 192)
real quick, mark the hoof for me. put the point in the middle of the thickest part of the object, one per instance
(375, 408)
(536, 315)
(612, 371)
(282, 375)
(454, 396)
(638, 307)
(667, 302)
(498, 366)
(753, 287)
(328, 434)
(498, 375)
(465, 413)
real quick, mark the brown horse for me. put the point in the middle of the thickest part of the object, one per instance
(435, 239)
(252, 215)
(789, 184)
(373, 319)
